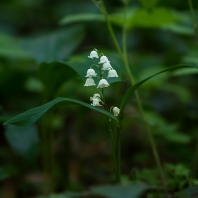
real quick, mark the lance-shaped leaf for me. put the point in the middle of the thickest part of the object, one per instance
(31, 116)
(132, 89)
(121, 190)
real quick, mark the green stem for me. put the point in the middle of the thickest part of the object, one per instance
(111, 138)
(124, 57)
(45, 149)
(44, 154)
(118, 155)
(48, 150)
(103, 9)
(113, 149)
(155, 153)
(51, 151)
(193, 18)
(112, 146)
(195, 162)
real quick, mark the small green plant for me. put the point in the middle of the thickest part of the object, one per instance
(103, 71)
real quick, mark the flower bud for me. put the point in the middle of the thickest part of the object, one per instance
(116, 111)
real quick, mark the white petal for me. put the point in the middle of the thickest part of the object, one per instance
(106, 66)
(103, 59)
(96, 102)
(93, 54)
(103, 83)
(112, 73)
(89, 82)
(91, 73)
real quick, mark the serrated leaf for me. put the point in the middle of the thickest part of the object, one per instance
(31, 116)
(132, 89)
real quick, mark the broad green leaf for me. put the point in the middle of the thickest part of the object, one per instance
(135, 17)
(149, 4)
(132, 89)
(68, 195)
(163, 129)
(182, 24)
(10, 48)
(54, 46)
(54, 74)
(31, 116)
(179, 28)
(82, 17)
(120, 190)
(23, 141)
(154, 18)
(185, 71)
(190, 192)
(159, 17)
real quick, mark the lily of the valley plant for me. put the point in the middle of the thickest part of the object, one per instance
(98, 100)
(104, 66)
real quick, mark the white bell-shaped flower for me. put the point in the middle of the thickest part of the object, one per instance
(95, 96)
(106, 66)
(89, 82)
(112, 73)
(91, 73)
(96, 102)
(102, 83)
(93, 54)
(103, 59)
(116, 111)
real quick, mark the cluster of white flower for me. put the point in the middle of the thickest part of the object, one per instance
(106, 66)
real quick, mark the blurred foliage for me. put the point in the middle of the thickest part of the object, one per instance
(43, 55)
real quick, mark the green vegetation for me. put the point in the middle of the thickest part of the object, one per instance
(138, 135)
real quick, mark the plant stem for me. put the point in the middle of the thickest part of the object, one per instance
(112, 147)
(51, 151)
(111, 138)
(124, 57)
(195, 162)
(193, 18)
(103, 10)
(118, 154)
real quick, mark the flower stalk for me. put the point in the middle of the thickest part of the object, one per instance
(123, 55)
(98, 99)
